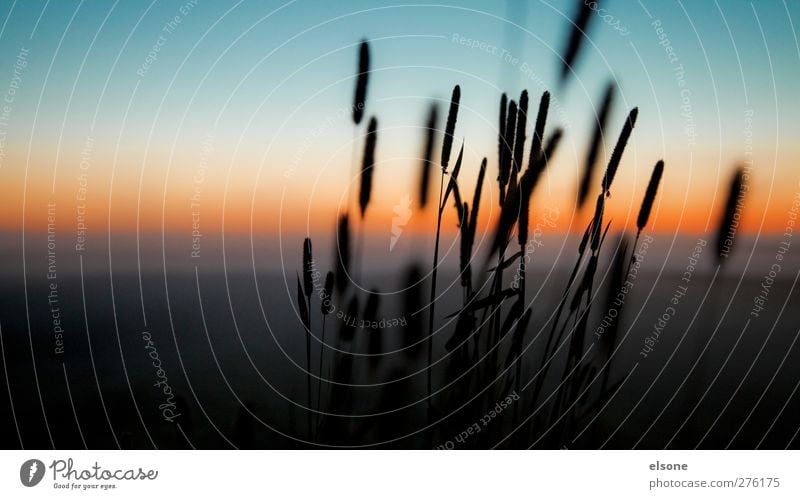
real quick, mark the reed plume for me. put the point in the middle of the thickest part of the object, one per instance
(368, 166)
(528, 183)
(427, 163)
(507, 156)
(501, 142)
(519, 140)
(616, 156)
(447, 144)
(538, 132)
(342, 255)
(649, 196)
(646, 208)
(575, 41)
(600, 123)
(452, 115)
(308, 270)
(729, 223)
(359, 101)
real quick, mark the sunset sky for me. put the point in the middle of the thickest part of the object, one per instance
(245, 106)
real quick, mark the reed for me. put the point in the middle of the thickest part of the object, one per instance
(646, 208)
(619, 274)
(368, 166)
(326, 307)
(580, 22)
(519, 139)
(528, 183)
(649, 197)
(538, 132)
(501, 143)
(476, 201)
(472, 225)
(427, 158)
(308, 288)
(527, 186)
(599, 122)
(305, 319)
(592, 239)
(374, 336)
(342, 254)
(360, 97)
(729, 222)
(447, 145)
(507, 156)
(308, 270)
(450, 127)
(616, 156)
(465, 253)
(478, 343)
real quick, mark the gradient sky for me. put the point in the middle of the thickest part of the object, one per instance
(246, 106)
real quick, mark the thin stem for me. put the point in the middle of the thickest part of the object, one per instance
(353, 201)
(433, 288)
(308, 371)
(319, 370)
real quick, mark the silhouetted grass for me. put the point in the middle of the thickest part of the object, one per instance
(482, 328)
(599, 121)
(360, 98)
(368, 166)
(427, 163)
(447, 145)
(580, 22)
(729, 222)
(342, 254)
(650, 196)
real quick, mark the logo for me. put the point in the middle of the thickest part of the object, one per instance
(402, 213)
(31, 472)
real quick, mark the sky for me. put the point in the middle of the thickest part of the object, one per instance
(234, 116)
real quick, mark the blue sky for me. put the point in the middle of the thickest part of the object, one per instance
(261, 75)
